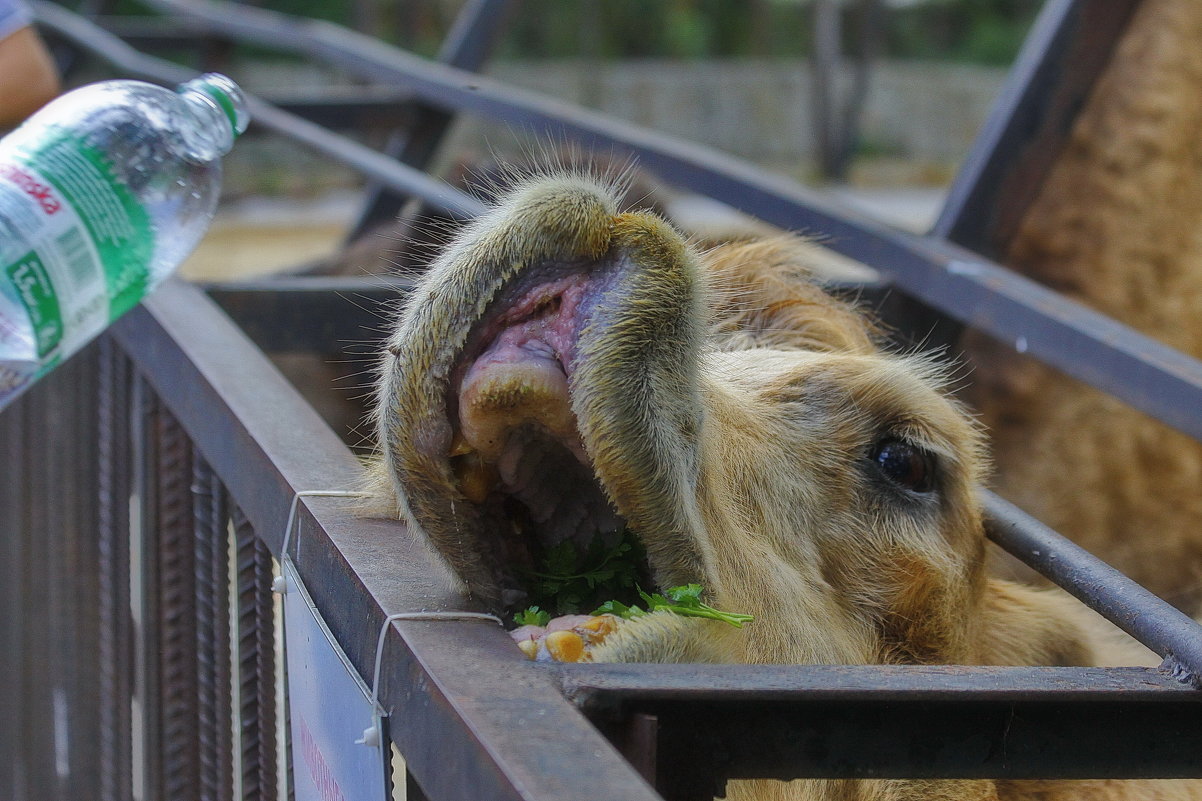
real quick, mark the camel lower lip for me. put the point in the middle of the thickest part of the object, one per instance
(495, 399)
(521, 370)
(519, 456)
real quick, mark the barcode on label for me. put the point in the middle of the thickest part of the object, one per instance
(77, 256)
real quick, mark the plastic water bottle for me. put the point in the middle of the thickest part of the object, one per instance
(102, 194)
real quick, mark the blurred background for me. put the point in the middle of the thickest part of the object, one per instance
(875, 101)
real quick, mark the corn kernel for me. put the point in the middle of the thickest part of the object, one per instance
(596, 629)
(529, 648)
(565, 646)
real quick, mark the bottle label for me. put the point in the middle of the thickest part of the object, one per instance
(35, 290)
(75, 244)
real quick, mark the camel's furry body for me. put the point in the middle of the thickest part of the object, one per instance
(733, 415)
(729, 409)
(1118, 225)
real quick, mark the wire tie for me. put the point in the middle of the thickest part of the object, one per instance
(371, 735)
(279, 584)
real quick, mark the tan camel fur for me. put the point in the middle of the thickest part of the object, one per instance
(567, 371)
(1118, 226)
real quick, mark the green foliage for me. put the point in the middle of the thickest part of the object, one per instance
(978, 31)
(567, 581)
(684, 600)
(684, 29)
(972, 31)
(993, 41)
(532, 616)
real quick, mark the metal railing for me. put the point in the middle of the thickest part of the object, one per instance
(149, 483)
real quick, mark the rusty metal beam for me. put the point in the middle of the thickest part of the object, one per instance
(721, 722)
(456, 691)
(1061, 60)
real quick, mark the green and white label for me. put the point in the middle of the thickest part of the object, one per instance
(75, 245)
(35, 290)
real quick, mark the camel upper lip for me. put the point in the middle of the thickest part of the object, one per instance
(510, 402)
(522, 305)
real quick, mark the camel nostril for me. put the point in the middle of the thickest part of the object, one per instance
(547, 306)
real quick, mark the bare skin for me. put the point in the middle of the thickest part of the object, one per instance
(30, 79)
(566, 371)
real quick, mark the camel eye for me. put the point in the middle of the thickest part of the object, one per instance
(904, 464)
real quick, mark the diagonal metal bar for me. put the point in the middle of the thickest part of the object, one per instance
(370, 162)
(1061, 60)
(1067, 335)
(468, 46)
(1154, 622)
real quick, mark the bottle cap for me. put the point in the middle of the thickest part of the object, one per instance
(226, 94)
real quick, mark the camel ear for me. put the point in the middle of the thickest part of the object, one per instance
(1022, 625)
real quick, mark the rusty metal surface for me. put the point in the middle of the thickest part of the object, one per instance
(214, 723)
(456, 691)
(605, 688)
(115, 644)
(169, 518)
(898, 721)
(257, 711)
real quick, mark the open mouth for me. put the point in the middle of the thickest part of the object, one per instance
(518, 454)
(540, 404)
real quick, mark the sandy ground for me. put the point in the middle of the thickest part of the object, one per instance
(261, 236)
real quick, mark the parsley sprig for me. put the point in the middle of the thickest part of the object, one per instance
(533, 616)
(684, 600)
(568, 581)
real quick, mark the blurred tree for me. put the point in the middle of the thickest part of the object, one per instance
(988, 31)
(837, 104)
(975, 31)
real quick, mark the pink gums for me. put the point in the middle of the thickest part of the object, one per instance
(523, 333)
(532, 344)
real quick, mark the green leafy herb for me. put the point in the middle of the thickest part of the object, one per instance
(533, 616)
(683, 600)
(568, 581)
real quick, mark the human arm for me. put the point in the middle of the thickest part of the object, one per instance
(28, 76)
